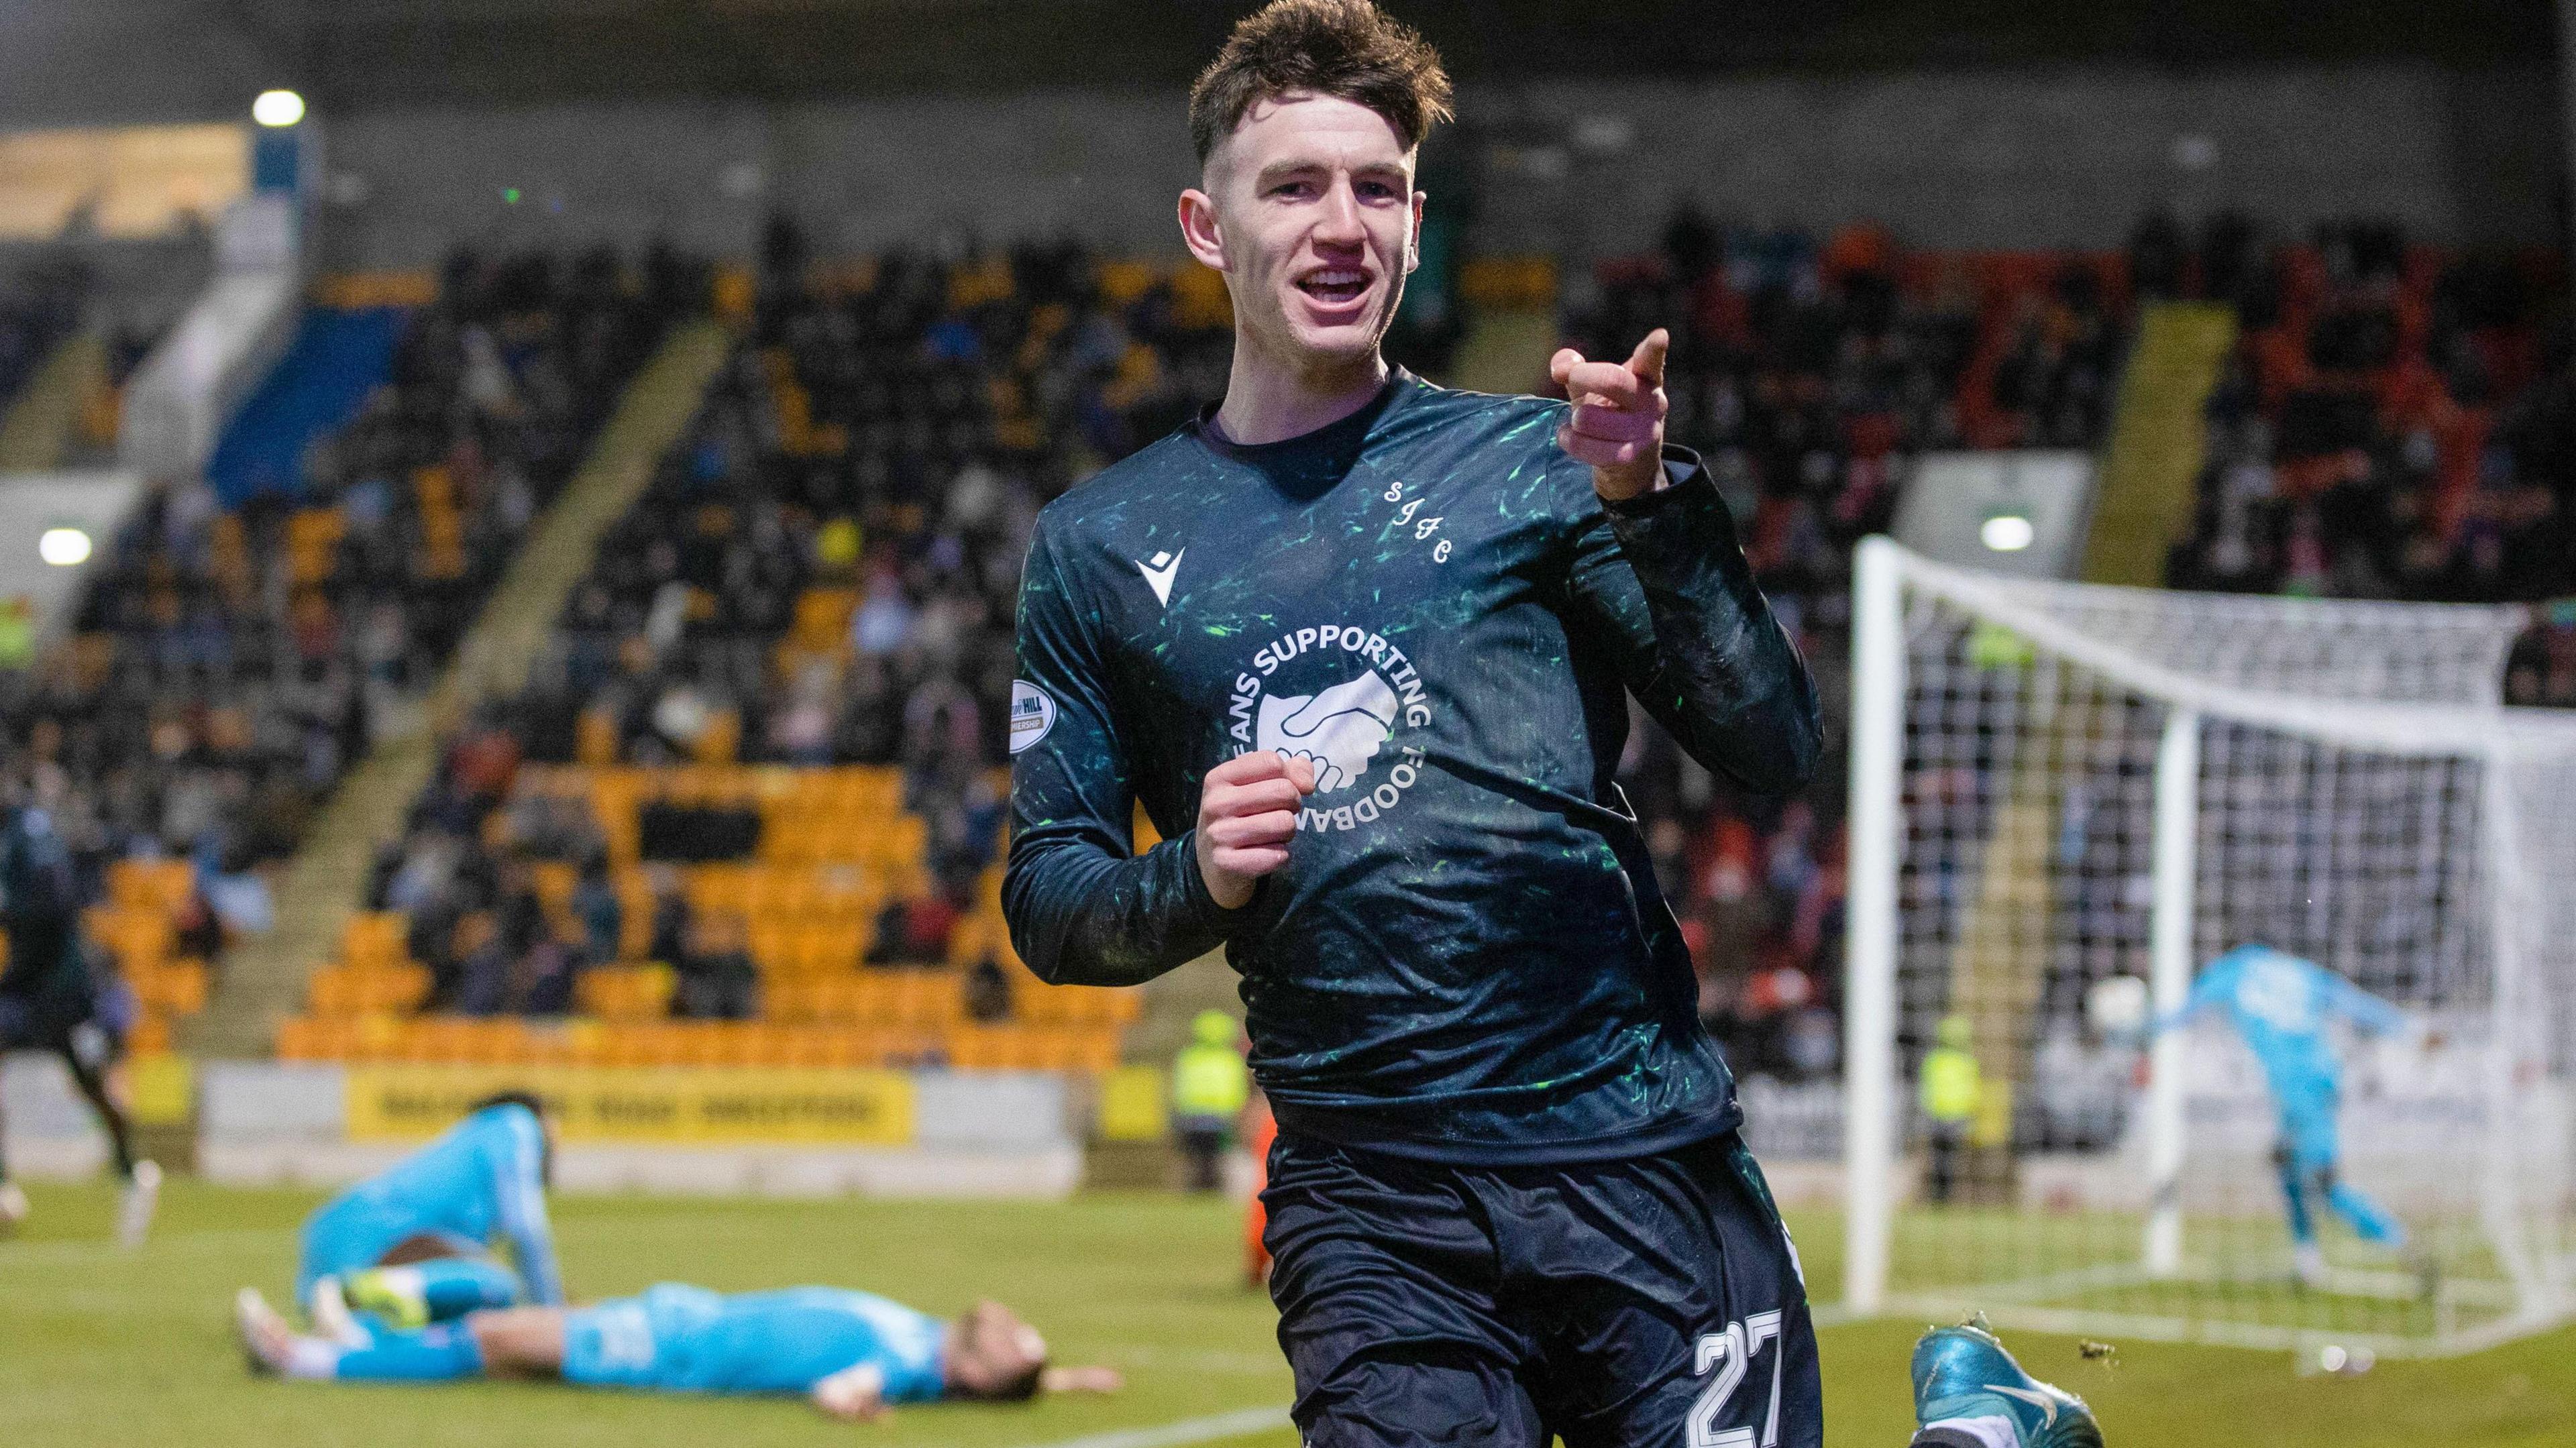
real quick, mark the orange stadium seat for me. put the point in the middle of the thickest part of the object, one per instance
(374, 938)
(162, 885)
(555, 880)
(177, 988)
(349, 990)
(626, 993)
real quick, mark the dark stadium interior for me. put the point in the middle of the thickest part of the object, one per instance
(570, 631)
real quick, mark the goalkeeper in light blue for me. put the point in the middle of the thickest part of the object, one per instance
(412, 1245)
(2283, 1006)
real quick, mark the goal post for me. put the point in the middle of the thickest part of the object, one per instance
(2169, 932)
(2056, 785)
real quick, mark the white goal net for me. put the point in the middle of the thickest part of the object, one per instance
(2059, 785)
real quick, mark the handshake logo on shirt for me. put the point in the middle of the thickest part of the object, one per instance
(1338, 731)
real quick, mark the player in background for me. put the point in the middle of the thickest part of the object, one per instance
(53, 997)
(2283, 1007)
(1361, 646)
(1209, 1089)
(411, 1245)
(853, 1354)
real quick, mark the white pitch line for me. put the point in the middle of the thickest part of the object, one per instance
(1209, 1429)
(61, 1250)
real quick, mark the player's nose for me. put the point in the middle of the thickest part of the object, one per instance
(1339, 221)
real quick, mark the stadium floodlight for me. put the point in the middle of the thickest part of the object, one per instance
(2150, 779)
(63, 547)
(277, 108)
(2007, 532)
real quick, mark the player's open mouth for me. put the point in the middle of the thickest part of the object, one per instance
(1335, 286)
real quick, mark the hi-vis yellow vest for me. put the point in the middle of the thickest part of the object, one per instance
(1209, 1081)
(1951, 1085)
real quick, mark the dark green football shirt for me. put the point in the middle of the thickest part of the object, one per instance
(1466, 956)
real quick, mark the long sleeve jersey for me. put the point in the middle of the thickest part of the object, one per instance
(1466, 956)
(2282, 1005)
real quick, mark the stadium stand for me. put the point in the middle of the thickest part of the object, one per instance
(757, 782)
(2375, 425)
(1809, 374)
(228, 663)
(2395, 422)
(40, 305)
(805, 623)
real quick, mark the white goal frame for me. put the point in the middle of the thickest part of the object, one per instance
(1889, 580)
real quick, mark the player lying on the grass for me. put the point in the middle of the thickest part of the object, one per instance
(412, 1243)
(54, 998)
(853, 1353)
(2282, 1006)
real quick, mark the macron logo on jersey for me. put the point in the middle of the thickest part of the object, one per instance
(1159, 574)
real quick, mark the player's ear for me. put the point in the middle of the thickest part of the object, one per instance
(1413, 237)
(1200, 231)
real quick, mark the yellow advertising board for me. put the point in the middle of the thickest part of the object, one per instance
(645, 1105)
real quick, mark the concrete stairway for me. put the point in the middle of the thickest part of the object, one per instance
(263, 981)
(36, 432)
(2152, 464)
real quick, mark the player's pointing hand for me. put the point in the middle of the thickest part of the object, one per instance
(1618, 421)
(1247, 815)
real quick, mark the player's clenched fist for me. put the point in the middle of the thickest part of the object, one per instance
(1247, 815)
(1618, 421)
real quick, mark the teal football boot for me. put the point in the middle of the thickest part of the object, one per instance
(1964, 1373)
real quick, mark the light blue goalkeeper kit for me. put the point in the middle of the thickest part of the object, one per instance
(2282, 1007)
(481, 1183)
(681, 1339)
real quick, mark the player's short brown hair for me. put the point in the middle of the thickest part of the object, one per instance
(1342, 48)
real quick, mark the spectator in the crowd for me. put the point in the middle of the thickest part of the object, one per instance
(674, 923)
(716, 978)
(226, 662)
(598, 912)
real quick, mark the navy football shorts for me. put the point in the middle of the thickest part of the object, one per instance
(1652, 1302)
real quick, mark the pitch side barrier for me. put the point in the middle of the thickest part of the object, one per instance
(726, 1131)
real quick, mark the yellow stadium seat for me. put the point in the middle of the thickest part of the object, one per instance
(299, 1039)
(1123, 281)
(787, 1000)
(624, 1044)
(721, 740)
(496, 1042)
(160, 885)
(1097, 1052)
(555, 881)
(626, 993)
(975, 1048)
(823, 619)
(178, 988)
(374, 937)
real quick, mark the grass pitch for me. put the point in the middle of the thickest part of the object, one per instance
(108, 1348)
